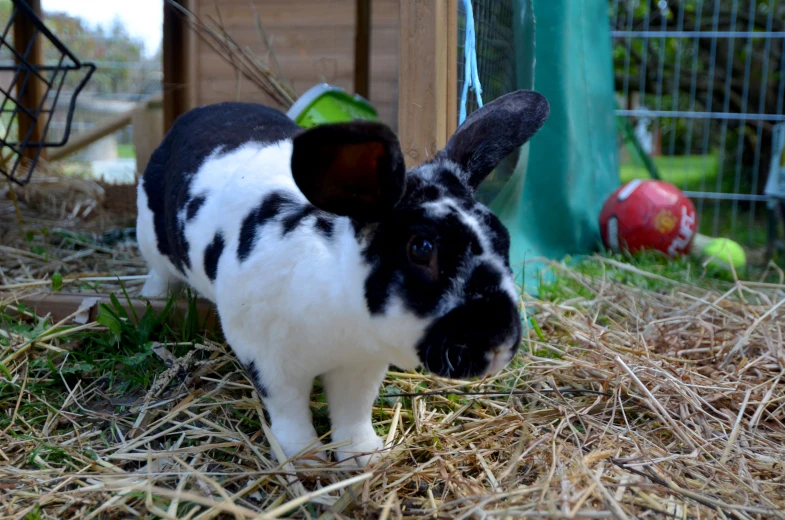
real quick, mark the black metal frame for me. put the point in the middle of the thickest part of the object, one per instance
(23, 71)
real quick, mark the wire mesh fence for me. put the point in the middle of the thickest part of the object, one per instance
(125, 75)
(702, 83)
(495, 46)
(493, 25)
(24, 127)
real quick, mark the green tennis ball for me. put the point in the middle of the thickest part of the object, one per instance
(722, 253)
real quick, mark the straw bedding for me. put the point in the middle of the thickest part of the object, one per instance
(623, 402)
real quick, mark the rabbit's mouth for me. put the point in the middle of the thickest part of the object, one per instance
(474, 339)
(499, 358)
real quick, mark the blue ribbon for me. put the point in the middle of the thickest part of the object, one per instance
(471, 75)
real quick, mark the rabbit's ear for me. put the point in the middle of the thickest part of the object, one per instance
(494, 131)
(350, 169)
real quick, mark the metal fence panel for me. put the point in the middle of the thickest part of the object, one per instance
(708, 77)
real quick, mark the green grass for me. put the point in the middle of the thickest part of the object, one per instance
(740, 231)
(126, 151)
(119, 359)
(565, 286)
(684, 171)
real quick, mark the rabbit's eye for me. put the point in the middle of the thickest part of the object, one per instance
(421, 251)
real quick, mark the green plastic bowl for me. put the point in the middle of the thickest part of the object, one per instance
(329, 104)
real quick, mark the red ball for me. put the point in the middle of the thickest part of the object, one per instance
(648, 214)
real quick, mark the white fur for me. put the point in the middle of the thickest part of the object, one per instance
(295, 307)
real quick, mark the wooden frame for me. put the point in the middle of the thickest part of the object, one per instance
(25, 35)
(428, 87)
(60, 306)
(362, 48)
(146, 118)
(180, 62)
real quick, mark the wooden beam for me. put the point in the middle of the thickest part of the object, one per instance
(30, 89)
(62, 305)
(85, 139)
(452, 68)
(427, 91)
(180, 59)
(108, 127)
(362, 48)
(148, 132)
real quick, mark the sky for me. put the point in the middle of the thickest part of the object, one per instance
(143, 19)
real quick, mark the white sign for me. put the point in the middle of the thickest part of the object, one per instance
(680, 243)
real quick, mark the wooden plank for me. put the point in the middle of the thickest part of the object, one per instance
(314, 41)
(225, 89)
(362, 48)
(440, 70)
(311, 47)
(148, 132)
(192, 44)
(62, 305)
(300, 13)
(84, 139)
(452, 69)
(303, 68)
(423, 89)
(30, 90)
(311, 12)
(179, 58)
(108, 127)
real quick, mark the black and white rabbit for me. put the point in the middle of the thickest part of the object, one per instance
(326, 258)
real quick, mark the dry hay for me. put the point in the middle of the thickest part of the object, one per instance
(53, 193)
(622, 403)
(81, 251)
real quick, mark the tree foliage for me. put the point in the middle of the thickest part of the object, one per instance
(122, 65)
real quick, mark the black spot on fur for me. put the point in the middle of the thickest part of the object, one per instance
(454, 222)
(325, 226)
(377, 289)
(194, 205)
(211, 256)
(393, 272)
(454, 186)
(195, 136)
(458, 244)
(431, 193)
(497, 233)
(256, 379)
(182, 261)
(484, 278)
(290, 222)
(270, 207)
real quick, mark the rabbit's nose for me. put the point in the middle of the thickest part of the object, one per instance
(499, 358)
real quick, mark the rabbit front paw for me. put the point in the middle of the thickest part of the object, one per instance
(361, 452)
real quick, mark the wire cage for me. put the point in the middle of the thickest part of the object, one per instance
(30, 92)
(496, 58)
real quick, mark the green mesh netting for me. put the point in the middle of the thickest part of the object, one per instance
(549, 194)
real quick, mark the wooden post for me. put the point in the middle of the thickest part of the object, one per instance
(60, 306)
(427, 93)
(362, 48)
(30, 90)
(147, 120)
(452, 68)
(180, 63)
(148, 132)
